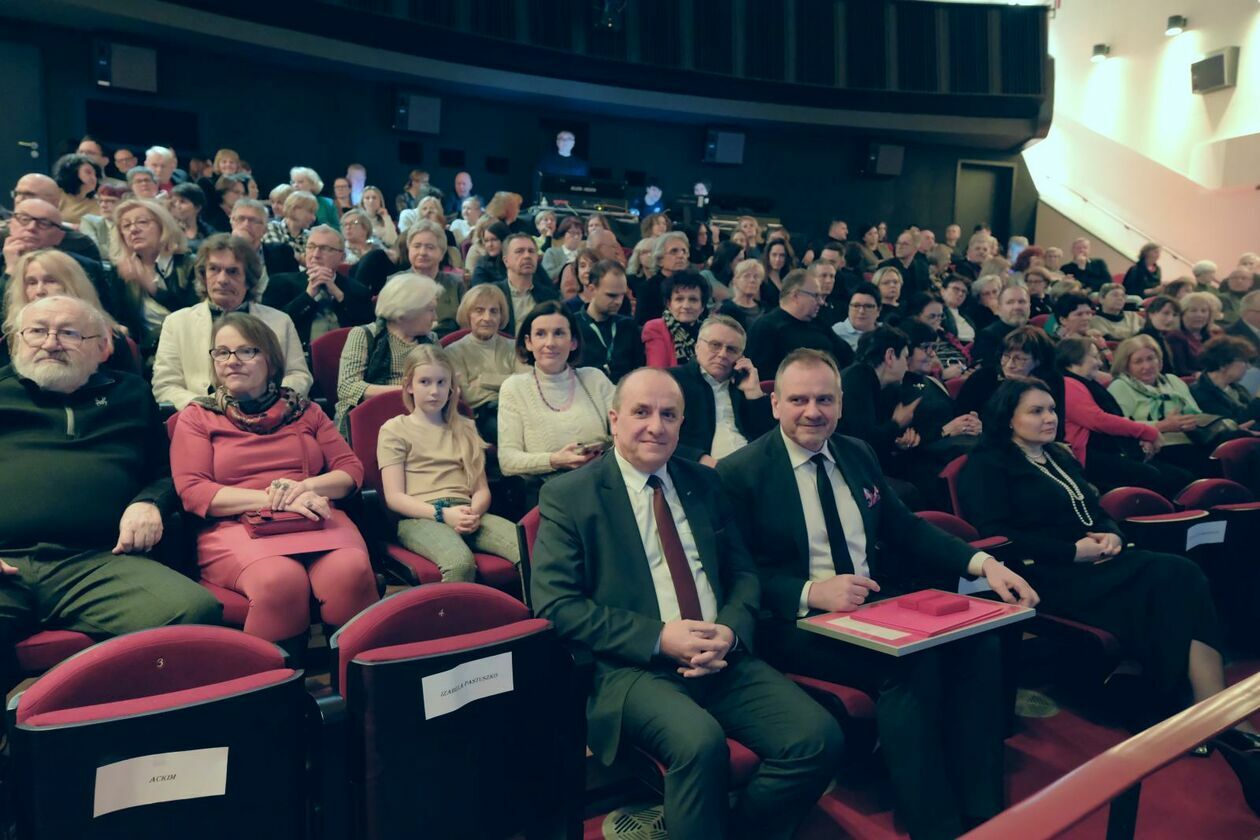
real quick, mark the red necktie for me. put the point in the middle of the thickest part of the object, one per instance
(675, 557)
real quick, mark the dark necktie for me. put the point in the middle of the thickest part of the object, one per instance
(831, 516)
(675, 557)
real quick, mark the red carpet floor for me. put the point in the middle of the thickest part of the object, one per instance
(1191, 799)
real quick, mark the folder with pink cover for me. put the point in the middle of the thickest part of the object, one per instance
(919, 620)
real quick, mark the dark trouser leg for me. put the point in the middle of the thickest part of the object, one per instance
(660, 717)
(913, 715)
(17, 619)
(973, 712)
(109, 595)
(798, 742)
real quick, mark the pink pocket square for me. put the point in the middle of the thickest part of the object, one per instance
(872, 496)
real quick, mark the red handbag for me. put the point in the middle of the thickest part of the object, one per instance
(266, 523)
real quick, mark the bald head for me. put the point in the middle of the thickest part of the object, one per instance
(605, 245)
(645, 417)
(35, 224)
(38, 186)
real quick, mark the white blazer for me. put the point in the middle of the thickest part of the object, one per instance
(183, 370)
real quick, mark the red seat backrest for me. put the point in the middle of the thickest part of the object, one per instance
(366, 420)
(157, 661)
(1039, 321)
(1209, 492)
(326, 360)
(767, 386)
(529, 524)
(424, 613)
(1124, 502)
(954, 386)
(1233, 454)
(451, 338)
(950, 474)
(950, 524)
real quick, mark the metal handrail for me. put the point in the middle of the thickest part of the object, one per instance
(1119, 770)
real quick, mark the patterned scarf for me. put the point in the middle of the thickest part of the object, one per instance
(684, 336)
(1159, 400)
(277, 408)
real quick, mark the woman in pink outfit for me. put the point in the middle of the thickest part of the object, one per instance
(253, 445)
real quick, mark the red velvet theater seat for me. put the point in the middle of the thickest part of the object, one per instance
(136, 715)
(1149, 520)
(366, 420)
(41, 651)
(465, 715)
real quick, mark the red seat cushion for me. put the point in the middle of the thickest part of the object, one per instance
(422, 567)
(159, 702)
(235, 605)
(744, 763)
(46, 648)
(857, 703)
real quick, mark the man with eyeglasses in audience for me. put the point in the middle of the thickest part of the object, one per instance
(793, 326)
(249, 222)
(86, 488)
(1014, 310)
(725, 406)
(317, 298)
(227, 271)
(35, 185)
(124, 161)
(863, 315)
(36, 224)
(909, 259)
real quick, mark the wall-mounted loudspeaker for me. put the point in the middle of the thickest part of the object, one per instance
(882, 159)
(724, 147)
(421, 114)
(1219, 70)
(124, 66)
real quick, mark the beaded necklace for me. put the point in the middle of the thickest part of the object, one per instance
(1075, 495)
(568, 401)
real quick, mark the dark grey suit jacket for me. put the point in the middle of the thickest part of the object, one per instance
(591, 577)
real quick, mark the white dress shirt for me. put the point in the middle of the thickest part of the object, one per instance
(726, 436)
(641, 503)
(821, 566)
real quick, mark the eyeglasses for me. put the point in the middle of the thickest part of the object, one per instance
(243, 354)
(1017, 358)
(25, 219)
(722, 347)
(136, 224)
(814, 295)
(37, 336)
(248, 220)
(939, 316)
(862, 306)
(325, 249)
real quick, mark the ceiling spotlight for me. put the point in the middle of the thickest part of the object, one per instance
(1176, 25)
(1101, 51)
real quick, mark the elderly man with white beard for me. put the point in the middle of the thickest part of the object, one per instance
(86, 487)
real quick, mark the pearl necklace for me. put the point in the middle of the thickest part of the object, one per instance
(568, 401)
(1075, 496)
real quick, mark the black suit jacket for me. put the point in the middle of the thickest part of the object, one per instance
(916, 278)
(1240, 329)
(752, 417)
(591, 577)
(626, 352)
(288, 292)
(542, 292)
(987, 348)
(762, 487)
(279, 258)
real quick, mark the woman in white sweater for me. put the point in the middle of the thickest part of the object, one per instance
(554, 417)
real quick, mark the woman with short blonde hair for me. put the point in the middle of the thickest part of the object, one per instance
(484, 358)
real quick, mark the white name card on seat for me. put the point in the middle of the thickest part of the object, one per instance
(456, 688)
(1205, 533)
(161, 777)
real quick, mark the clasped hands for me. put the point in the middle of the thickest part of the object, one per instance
(1096, 546)
(699, 647)
(298, 497)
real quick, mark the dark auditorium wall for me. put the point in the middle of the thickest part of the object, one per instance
(277, 115)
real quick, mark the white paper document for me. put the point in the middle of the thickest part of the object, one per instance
(161, 777)
(456, 688)
(1205, 533)
(887, 633)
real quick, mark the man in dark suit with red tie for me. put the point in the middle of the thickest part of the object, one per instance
(639, 560)
(824, 529)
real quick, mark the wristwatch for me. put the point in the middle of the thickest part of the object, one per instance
(437, 509)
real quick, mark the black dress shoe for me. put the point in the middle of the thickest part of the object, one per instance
(1242, 751)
